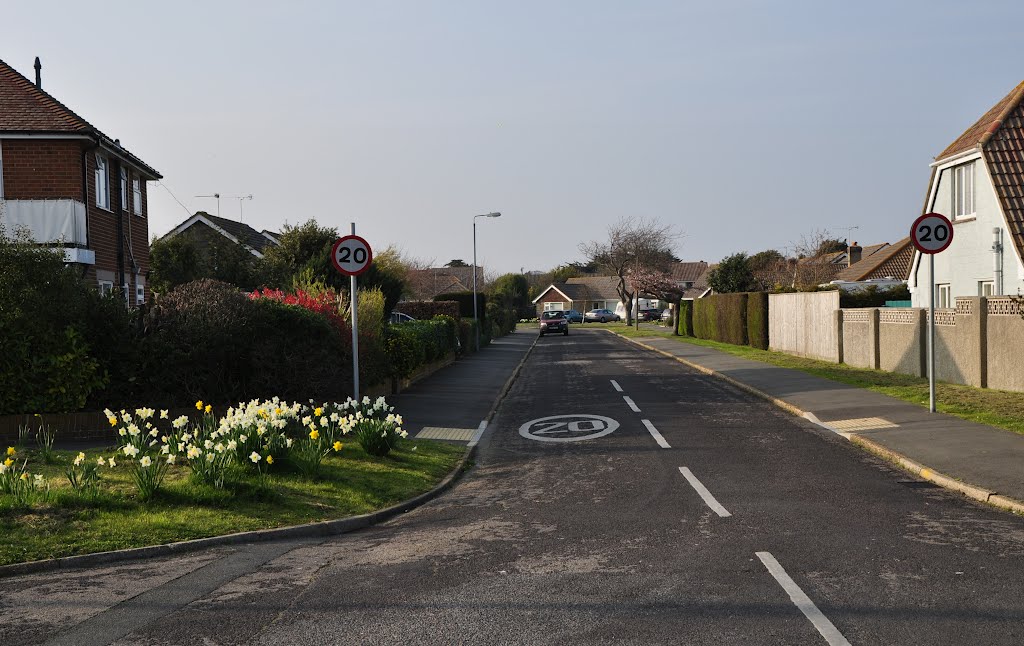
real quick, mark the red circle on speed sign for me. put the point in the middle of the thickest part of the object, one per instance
(931, 233)
(351, 255)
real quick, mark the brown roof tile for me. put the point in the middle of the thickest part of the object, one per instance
(688, 272)
(1004, 154)
(27, 109)
(888, 260)
(600, 288)
(986, 126)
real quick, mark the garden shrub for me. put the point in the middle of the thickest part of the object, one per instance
(416, 343)
(872, 296)
(46, 361)
(465, 301)
(757, 320)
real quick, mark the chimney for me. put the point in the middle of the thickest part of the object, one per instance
(39, 76)
(853, 254)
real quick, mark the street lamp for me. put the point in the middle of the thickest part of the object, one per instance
(476, 313)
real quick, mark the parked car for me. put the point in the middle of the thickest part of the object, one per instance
(648, 315)
(573, 316)
(600, 316)
(399, 317)
(666, 315)
(554, 321)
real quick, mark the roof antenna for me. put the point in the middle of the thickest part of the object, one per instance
(39, 76)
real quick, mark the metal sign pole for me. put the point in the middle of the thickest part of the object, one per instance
(931, 335)
(355, 331)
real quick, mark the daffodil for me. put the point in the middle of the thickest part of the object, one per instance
(199, 405)
(314, 434)
(208, 408)
(255, 457)
(79, 459)
(270, 459)
(337, 446)
(163, 414)
(145, 461)
(112, 420)
(317, 412)
(11, 450)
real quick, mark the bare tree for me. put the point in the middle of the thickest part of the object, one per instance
(660, 284)
(632, 243)
(810, 265)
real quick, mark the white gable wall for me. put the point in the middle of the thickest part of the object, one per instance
(969, 258)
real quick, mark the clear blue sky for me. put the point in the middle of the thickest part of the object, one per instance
(745, 124)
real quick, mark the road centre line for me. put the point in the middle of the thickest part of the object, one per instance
(632, 404)
(656, 435)
(803, 602)
(616, 386)
(704, 493)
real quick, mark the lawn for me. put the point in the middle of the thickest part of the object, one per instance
(350, 483)
(999, 408)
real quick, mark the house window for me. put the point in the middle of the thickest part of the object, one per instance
(137, 195)
(124, 189)
(140, 293)
(102, 183)
(106, 287)
(549, 307)
(963, 190)
(986, 288)
(943, 295)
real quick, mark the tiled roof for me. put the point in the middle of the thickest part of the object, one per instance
(425, 284)
(688, 272)
(27, 109)
(986, 126)
(889, 260)
(700, 286)
(999, 133)
(1004, 154)
(600, 288)
(241, 231)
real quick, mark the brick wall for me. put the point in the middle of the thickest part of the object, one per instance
(554, 297)
(37, 169)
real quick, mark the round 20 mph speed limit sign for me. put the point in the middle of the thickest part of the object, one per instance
(931, 233)
(351, 255)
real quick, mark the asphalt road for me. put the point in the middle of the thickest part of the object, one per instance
(705, 517)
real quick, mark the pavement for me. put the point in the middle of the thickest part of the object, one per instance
(982, 462)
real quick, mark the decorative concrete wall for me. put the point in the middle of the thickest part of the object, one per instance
(806, 324)
(1005, 345)
(901, 341)
(857, 338)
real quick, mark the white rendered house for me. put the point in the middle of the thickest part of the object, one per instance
(978, 183)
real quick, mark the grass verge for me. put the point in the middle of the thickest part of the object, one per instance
(999, 408)
(351, 483)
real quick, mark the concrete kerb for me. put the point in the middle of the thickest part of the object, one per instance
(324, 528)
(925, 473)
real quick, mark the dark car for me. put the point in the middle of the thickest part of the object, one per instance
(554, 321)
(648, 315)
(601, 316)
(573, 316)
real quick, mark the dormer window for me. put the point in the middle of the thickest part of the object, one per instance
(963, 190)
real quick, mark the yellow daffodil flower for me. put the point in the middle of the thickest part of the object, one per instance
(112, 420)
(199, 405)
(270, 459)
(318, 411)
(8, 462)
(314, 434)
(337, 446)
(10, 450)
(208, 408)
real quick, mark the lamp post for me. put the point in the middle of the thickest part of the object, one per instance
(476, 312)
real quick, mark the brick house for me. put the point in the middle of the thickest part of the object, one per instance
(73, 187)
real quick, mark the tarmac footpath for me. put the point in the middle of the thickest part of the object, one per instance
(979, 461)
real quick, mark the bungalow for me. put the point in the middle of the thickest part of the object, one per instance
(582, 294)
(978, 183)
(207, 230)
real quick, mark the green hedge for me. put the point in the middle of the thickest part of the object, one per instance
(465, 301)
(686, 318)
(722, 317)
(414, 344)
(757, 320)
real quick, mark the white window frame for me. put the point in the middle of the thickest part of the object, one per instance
(964, 189)
(137, 195)
(127, 294)
(550, 307)
(102, 182)
(140, 293)
(106, 287)
(986, 288)
(943, 296)
(124, 189)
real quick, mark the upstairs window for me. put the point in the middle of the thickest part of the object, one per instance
(963, 190)
(124, 189)
(102, 183)
(137, 195)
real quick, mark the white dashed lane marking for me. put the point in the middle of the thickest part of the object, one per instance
(704, 493)
(632, 404)
(616, 386)
(803, 602)
(656, 435)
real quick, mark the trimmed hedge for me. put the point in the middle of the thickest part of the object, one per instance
(722, 317)
(416, 343)
(686, 318)
(465, 301)
(757, 320)
(426, 310)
